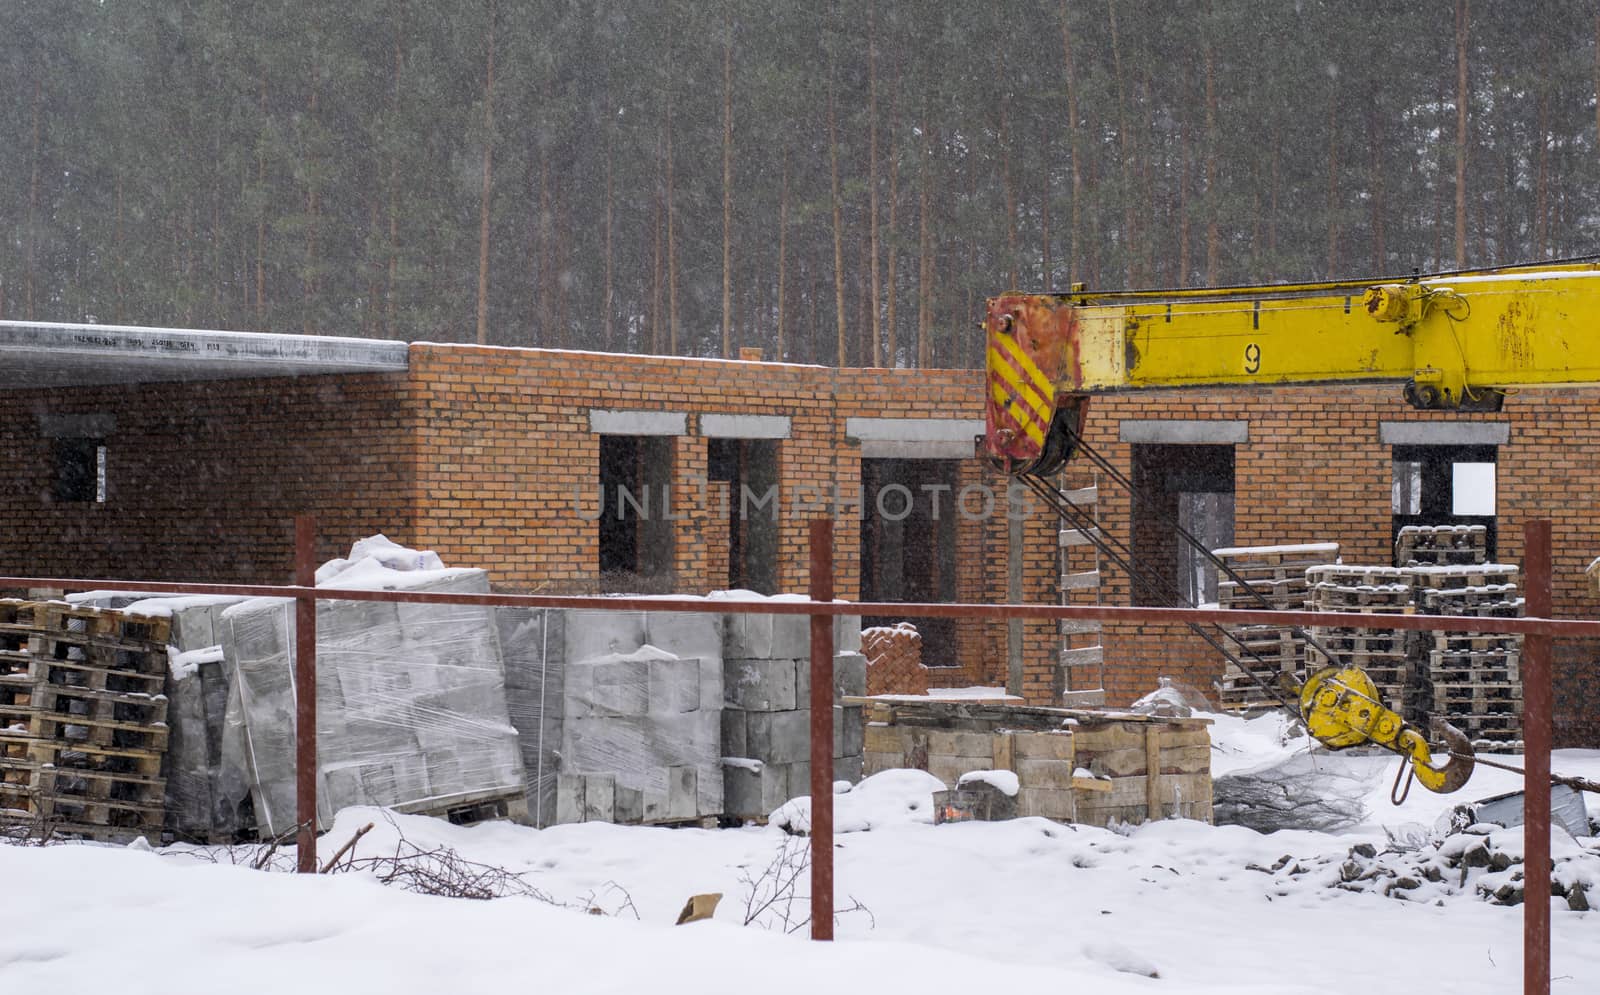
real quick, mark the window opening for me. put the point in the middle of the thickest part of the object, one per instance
(1445, 485)
(80, 470)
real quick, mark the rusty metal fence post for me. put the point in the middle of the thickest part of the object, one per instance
(1537, 703)
(305, 694)
(821, 590)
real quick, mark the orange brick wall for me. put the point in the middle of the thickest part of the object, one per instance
(481, 453)
(204, 479)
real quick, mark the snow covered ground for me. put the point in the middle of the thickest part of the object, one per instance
(1027, 904)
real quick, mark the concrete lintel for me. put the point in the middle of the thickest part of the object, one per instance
(744, 426)
(1186, 431)
(1444, 433)
(603, 422)
(900, 449)
(915, 429)
(97, 425)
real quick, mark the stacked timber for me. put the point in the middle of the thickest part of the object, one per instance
(1071, 765)
(1278, 575)
(83, 730)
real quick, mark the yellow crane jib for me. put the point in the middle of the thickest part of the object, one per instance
(1456, 341)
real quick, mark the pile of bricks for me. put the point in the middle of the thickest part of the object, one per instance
(1278, 574)
(894, 659)
(83, 730)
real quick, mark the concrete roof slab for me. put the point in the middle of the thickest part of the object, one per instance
(35, 354)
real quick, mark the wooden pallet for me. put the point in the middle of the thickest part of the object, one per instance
(1280, 592)
(90, 757)
(84, 675)
(1478, 643)
(1348, 575)
(1492, 601)
(1364, 642)
(1391, 598)
(1450, 578)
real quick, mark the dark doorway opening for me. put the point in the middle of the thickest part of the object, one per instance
(749, 469)
(1192, 486)
(908, 544)
(636, 539)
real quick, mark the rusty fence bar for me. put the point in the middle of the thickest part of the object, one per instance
(305, 694)
(1537, 703)
(1538, 628)
(821, 591)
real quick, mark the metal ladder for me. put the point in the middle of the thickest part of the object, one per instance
(1081, 673)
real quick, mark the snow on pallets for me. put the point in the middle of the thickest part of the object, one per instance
(83, 730)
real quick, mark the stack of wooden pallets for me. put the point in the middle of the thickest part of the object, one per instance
(83, 730)
(1383, 654)
(1277, 573)
(1474, 680)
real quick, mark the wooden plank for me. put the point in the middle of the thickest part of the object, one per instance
(1043, 746)
(1096, 784)
(1053, 774)
(1004, 751)
(1152, 771)
(1047, 804)
(1092, 698)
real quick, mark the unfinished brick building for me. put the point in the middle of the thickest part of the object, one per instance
(184, 455)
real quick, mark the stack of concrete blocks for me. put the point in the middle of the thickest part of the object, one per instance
(640, 717)
(411, 704)
(204, 796)
(766, 717)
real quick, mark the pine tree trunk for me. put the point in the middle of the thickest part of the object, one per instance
(1074, 259)
(1009, 189)
(1185, 141)
(608, 304)
(313, 211)
(488, 187)
(1375, 143)
(261, 221)
(1213, 235)
(1332, 272)
(119, 313)
(892, 287)
(392, 289)
(672, 241)
(838, 219)
(1461, 133)
(657, 331)
(924, 252)
(872, 180)
(1125, 135)
(33, 205)
(783, 259)
(727, 190)
(1046, 277)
